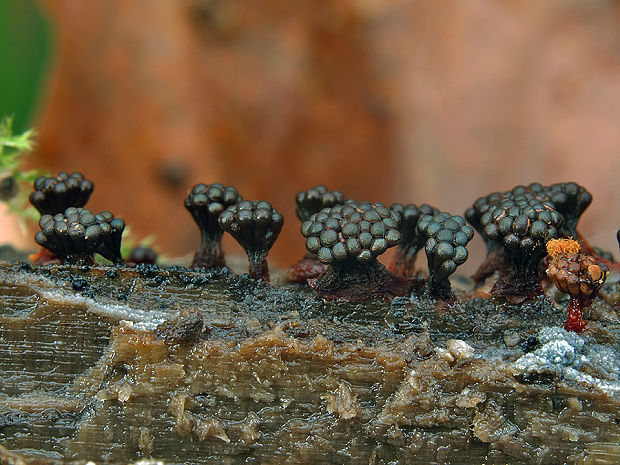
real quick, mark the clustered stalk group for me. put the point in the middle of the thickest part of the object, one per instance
(522, 228)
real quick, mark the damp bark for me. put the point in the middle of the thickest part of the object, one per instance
(118, 364)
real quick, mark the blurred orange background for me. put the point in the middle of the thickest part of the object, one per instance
(394, 100)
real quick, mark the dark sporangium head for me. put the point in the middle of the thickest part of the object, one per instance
(570, 200)
(54, 195)
(77, 234)
(523, 224)
(112, 233)
(563, 205)
(355, 231)
(349, 238)
(314, 200)
(515, 226)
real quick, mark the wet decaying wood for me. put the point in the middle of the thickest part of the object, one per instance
(117, 364)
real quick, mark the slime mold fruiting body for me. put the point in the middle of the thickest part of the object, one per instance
(446, 237)
(112, 232)
(411, 241)
(349, 238)
(495, 257)
(256, 226)
(570, 200)
(77, 234)
(9, 188)
(206, 202)
(55, 195)
(314, 200)
(310, 202)
(142, 255)
(516, 224)
(576, 274)
(523, 225)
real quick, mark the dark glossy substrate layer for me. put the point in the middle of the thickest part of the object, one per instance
(114, 364)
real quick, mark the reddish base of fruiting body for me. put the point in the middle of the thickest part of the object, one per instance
(403, 264)
(493, 262)
(308, 267)
(574, 321)
(209, 256)
(259, 270)
(352, 282)
(44, 257)
(441, 290)
(517, 287)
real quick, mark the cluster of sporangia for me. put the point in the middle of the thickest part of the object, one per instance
(255, 225)
(344, 237)
(71, 233)
(516, 225)
(576, 274)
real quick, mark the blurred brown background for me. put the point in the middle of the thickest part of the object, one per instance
(411, 101)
